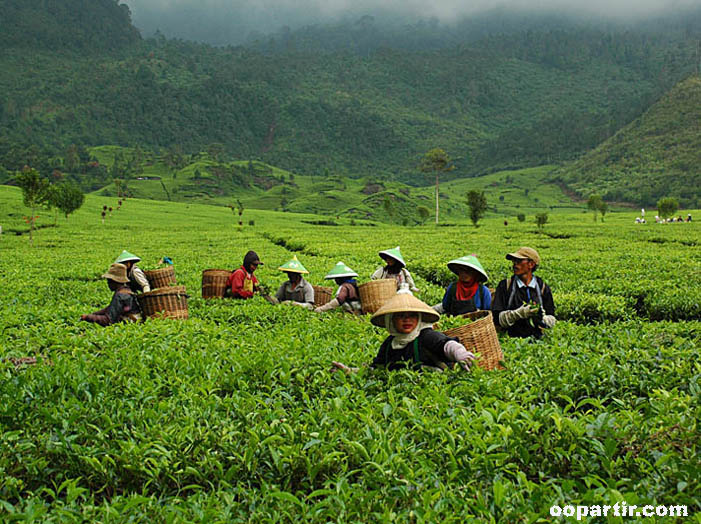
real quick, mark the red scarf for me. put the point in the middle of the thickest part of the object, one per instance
(466, 291)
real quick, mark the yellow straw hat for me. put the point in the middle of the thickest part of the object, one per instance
(403, 302)
(118, 273)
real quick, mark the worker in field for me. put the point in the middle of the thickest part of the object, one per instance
(296, 290)
(469, 293)
(123, 306)
(242, 283)
(137, 278)
(347, 295)
(523, 304)
(412, 342)
(395, 268)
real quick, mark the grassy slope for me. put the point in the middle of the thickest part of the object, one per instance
(232, 415)
(657, 154)
(343, 196)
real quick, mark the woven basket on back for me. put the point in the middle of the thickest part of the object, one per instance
(375, 293)
(322, 295)
(169, 302)
(481, 337)
(214, 282)
(162, 277)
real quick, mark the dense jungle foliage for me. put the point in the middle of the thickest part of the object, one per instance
(513, 99)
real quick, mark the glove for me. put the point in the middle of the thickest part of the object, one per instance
(333, 304)
(509, 317)
(549, 321)
(456, 352)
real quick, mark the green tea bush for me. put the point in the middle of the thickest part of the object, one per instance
(232, 415)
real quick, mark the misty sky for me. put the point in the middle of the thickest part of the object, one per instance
(233, 20)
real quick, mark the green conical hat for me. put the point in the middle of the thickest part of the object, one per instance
(471, 262)
(395, 254)
(125, 256)
(341, 270)
(293, 266)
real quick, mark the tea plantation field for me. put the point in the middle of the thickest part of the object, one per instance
(233, 415)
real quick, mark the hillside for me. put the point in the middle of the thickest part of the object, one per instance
(256, 185)
(89, 26)
(659, 154)
(503, 101)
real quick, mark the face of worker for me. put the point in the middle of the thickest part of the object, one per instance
(405, 322)
(389, 261)
(294, 277)
(253, 266)
(522, 266)
(339, 281)
(468, 276)
(113, 284)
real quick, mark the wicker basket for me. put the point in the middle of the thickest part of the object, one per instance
(214, 282)
(169, 302)
(481, 337)
(375, 293)
(322, 295)
(162, 277)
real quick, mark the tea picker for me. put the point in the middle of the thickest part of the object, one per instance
(395, 268)
(469, 293)
(137, 278)
(412, 341)
(242, 283)
(347, 295)
(296, 290)
(123, 305)
(523, 304)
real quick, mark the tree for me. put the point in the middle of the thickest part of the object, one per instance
(478, 205)
(667, 206)
(35, 193)
(595, 203)
(541, 219)
(423, 213)
(67, 197)
(388, 207)
(521, 217)
(436, 161)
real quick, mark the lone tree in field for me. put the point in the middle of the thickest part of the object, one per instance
(541, 219)
(667, 206)
(597, 204)
(478, 205)
(65, 197)
(423, 213)
(436, 161)
(35, 193)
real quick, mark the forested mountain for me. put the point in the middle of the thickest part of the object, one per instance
(85, 25)
(514, 99)
(657, 154)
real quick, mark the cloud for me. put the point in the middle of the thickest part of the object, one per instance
(234, 19)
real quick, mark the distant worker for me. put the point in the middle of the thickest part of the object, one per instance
(395, 268)
(412, 342)
(688, 217)
(347, 295)
(242, 283)
(523, 304)
(296, 290)
(469, 293)
(123, 306)
(137, 278)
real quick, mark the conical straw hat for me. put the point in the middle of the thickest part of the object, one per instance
(125, 256)
(341, 270)
(402, 302)
(395, 254)
(471, 262)
(118, 273)
(293, 266)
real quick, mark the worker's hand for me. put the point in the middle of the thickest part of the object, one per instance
(510, 317)
(336, 366)
(549, 321)
(466, 363)
(332, 304)
(83, 317)
(526, 311)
